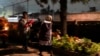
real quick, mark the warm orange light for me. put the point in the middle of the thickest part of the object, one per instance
(6, 27)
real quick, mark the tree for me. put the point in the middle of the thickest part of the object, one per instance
(63, 6)
(63, 11)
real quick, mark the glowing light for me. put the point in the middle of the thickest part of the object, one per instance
(6, 26)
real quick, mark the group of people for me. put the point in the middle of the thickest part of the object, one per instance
(45, 32)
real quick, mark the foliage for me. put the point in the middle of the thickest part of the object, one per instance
(75, 44)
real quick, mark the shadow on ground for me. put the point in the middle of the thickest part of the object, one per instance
(17, 49)
(13, 50)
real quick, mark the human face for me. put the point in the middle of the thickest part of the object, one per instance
(25, 16)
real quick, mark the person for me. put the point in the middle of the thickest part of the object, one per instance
(35, 31)
(45, 35)
(24, 29)
(57, 34)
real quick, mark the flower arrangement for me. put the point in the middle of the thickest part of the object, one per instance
(76, 44)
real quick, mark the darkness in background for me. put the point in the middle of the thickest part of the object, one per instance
(88, 29)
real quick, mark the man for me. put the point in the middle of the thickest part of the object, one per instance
(24, 29)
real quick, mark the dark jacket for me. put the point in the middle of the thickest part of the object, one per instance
(45, 31)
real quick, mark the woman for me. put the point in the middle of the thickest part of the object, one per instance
(45, 35)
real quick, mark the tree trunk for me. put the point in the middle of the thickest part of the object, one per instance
(63, 8)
